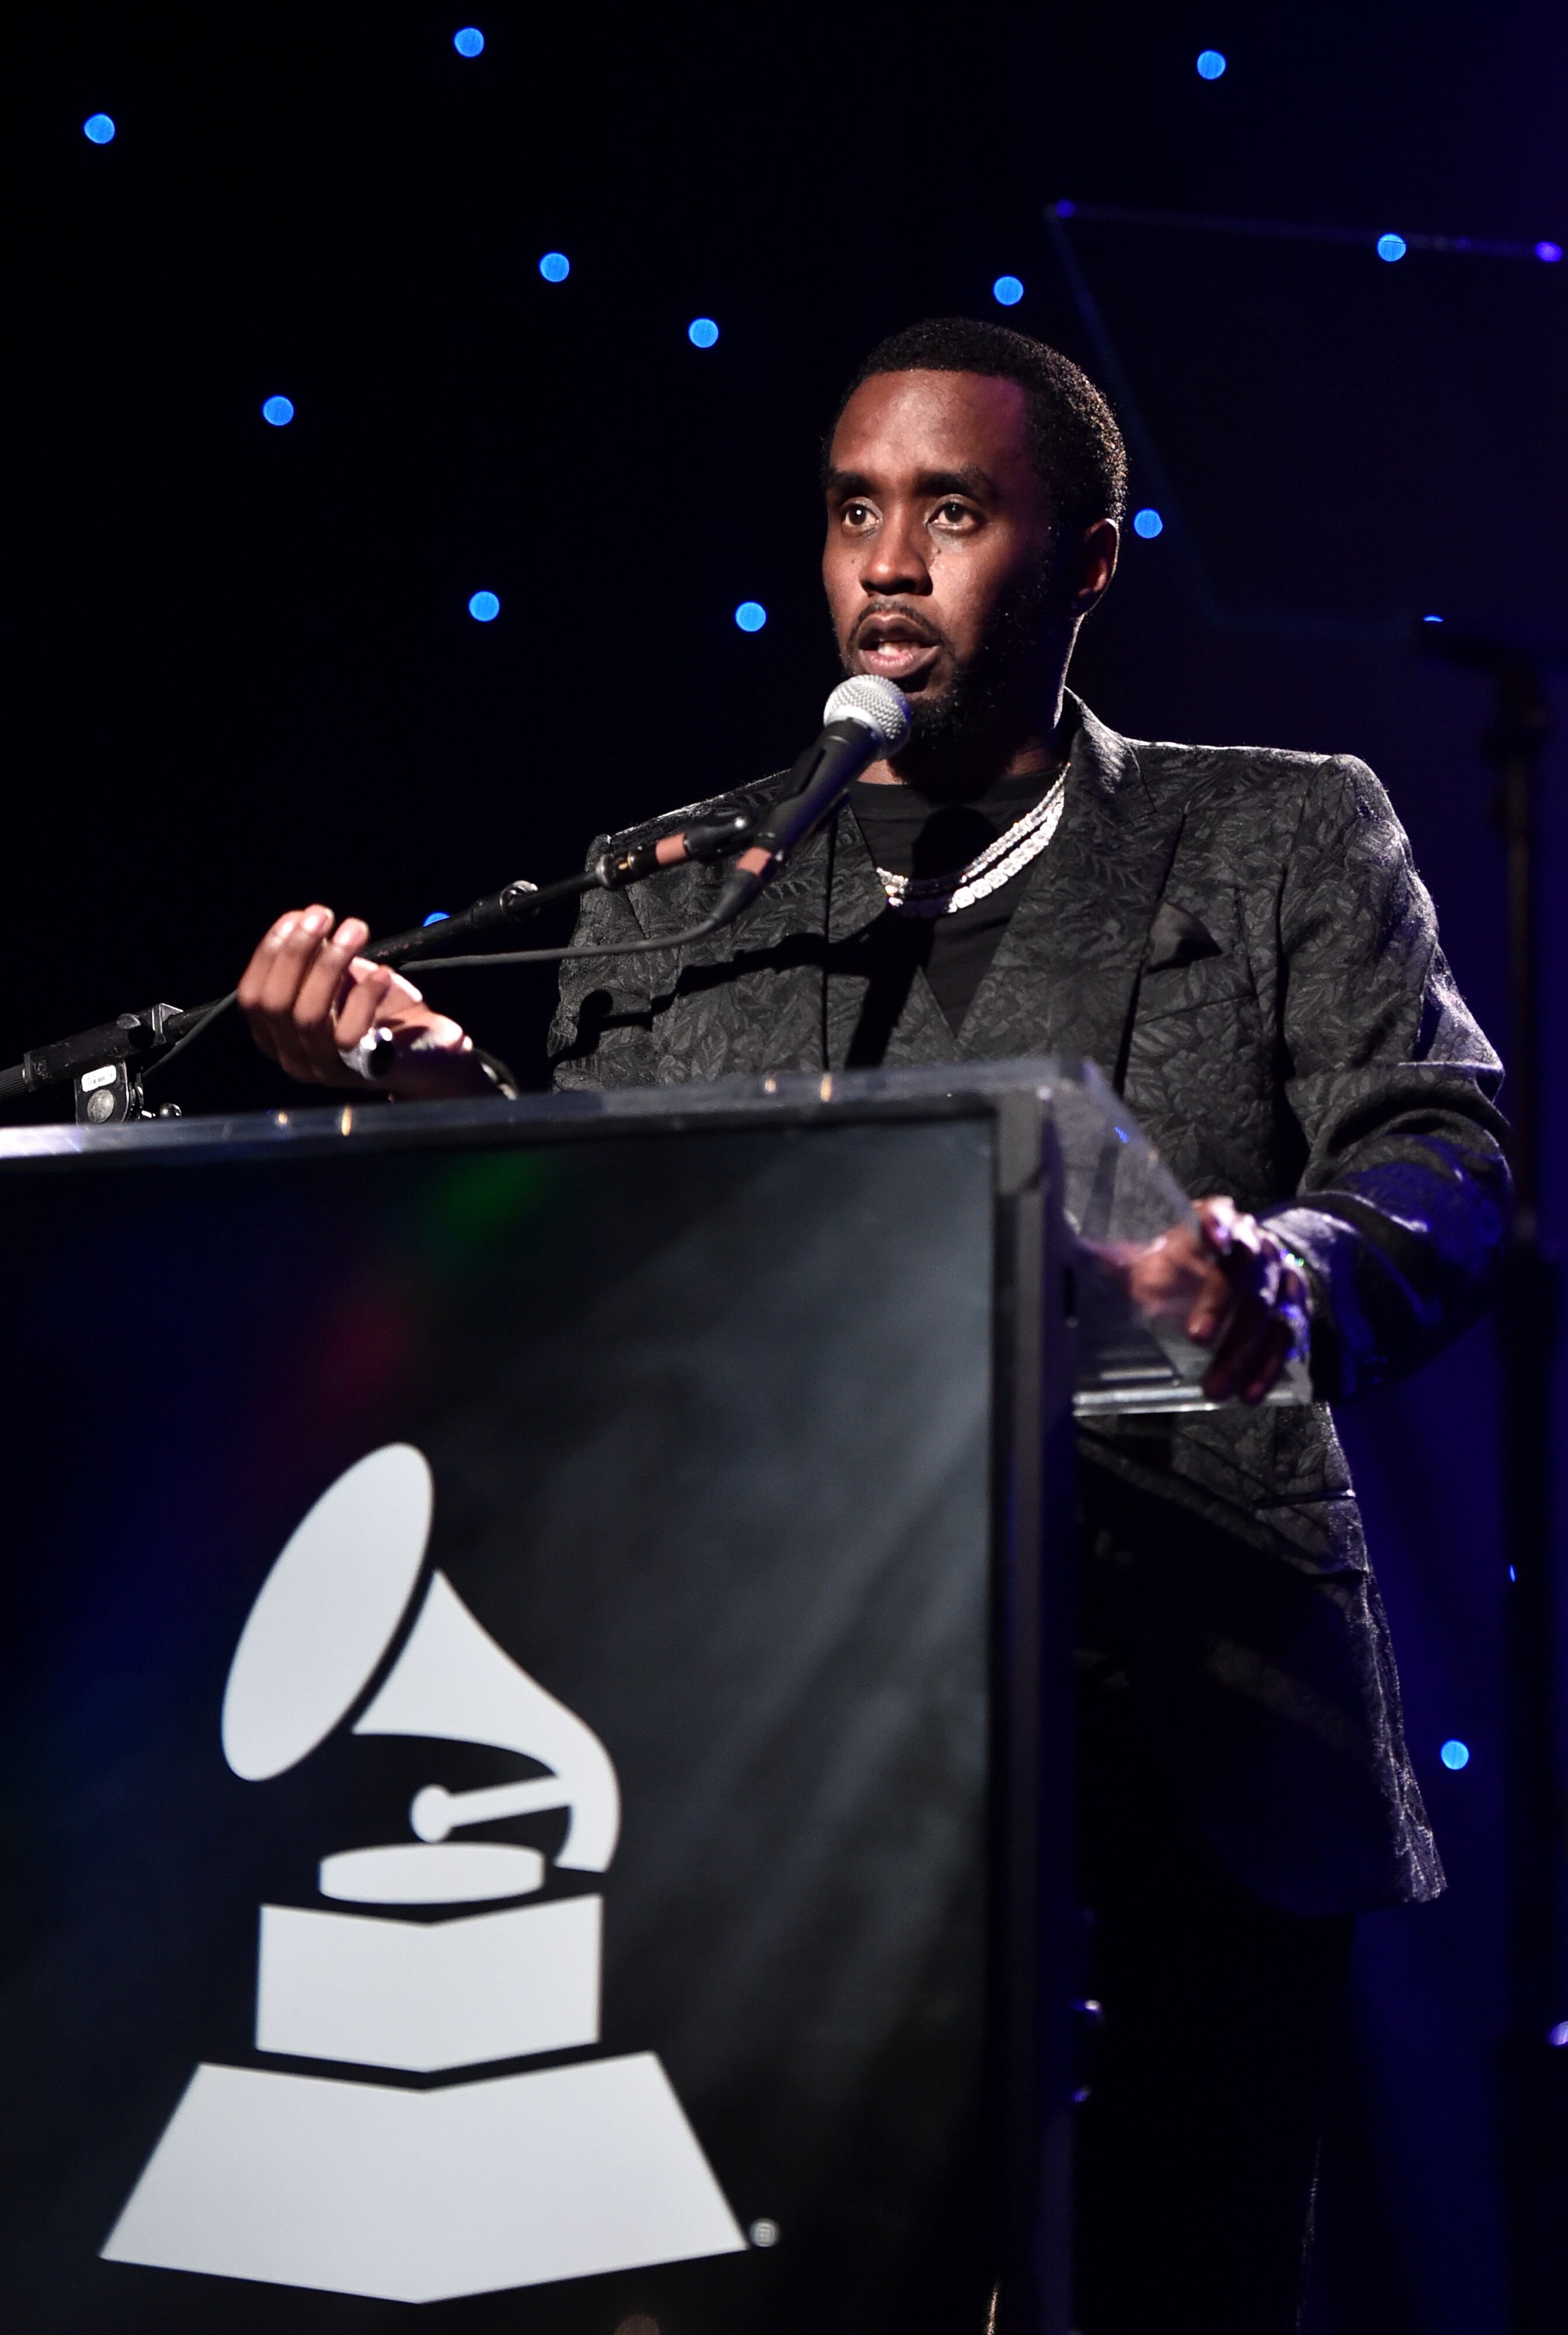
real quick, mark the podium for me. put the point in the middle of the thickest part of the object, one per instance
(537, 1705)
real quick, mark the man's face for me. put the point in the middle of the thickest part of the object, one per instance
(939, 559)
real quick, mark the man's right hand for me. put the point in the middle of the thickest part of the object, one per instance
(309, 998)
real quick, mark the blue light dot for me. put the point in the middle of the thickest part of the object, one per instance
(278, 410)
(1065, 210)
(484, 607)
(1148, 524)
(1513, 1572)
(701, 332)
(1007, 291)
(469, 42)
(1211, 64)
(554, 268)
(1455, 1754)
(1543, 250)
(1431, 620)
(438, 916)
(1558, 2036)
(99, 128)
(1391, 247)
(750, 615)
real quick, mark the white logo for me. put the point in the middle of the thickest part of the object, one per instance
(366, 2188)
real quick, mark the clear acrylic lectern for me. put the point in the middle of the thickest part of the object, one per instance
(536, 1714)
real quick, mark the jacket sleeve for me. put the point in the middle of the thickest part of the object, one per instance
(603, 1031)
(1402, 1207)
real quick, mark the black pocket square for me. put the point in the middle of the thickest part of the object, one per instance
(1177, 937)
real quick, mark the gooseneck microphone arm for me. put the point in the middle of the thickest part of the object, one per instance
(865, 719)
(611, 871)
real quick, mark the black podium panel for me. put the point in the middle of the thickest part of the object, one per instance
(706, 1417)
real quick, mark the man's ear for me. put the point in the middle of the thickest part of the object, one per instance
(1095, 565)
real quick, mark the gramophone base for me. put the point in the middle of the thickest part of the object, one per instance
(422, 2196)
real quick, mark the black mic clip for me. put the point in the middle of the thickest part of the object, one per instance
(702, 838)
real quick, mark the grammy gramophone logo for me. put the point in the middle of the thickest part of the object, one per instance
(486, 2182)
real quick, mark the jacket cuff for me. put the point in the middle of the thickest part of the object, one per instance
(1325, 1246)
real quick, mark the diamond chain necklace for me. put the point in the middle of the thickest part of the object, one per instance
(998, 863)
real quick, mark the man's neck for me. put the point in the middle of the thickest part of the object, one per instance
(959, 769)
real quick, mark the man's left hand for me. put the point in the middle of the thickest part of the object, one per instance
(1234, 1288)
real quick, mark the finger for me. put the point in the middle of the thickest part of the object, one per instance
(1218, 1217)
(248, 994)
(1215, 1303)
(268, 983)
(252, 979)
(1242, 1350)
(363, 1006)
(1249, 1255)
(398, 993)
(287, 961)
(285, 973)
(252, 990)
(323, 986)
(1249, 1267)
(321, 992)
(1265, 1373)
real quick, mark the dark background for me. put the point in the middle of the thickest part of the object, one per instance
(245, 676)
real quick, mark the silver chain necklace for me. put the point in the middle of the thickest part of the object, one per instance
(998, 863)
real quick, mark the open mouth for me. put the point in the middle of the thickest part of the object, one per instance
(897, 648)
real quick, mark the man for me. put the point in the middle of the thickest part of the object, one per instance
(1239, 938)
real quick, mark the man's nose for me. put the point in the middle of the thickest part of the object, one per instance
(896, 561)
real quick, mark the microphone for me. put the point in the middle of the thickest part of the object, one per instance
(865, 719)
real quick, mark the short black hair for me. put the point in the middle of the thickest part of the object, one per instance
(1073, 439)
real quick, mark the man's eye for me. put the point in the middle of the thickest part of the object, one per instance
(858, 514)
(954, 514)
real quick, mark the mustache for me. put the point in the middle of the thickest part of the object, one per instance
(888, 612)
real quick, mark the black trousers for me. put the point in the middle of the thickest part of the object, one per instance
(1196, 2150)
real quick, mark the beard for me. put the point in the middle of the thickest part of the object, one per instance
(994, 698)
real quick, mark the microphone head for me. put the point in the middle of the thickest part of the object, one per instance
(875, 704)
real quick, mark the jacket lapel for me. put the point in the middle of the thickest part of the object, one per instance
(1064, 979)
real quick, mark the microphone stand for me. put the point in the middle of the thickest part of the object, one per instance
(106, 1064)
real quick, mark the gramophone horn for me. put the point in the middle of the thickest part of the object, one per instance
(452, 1682)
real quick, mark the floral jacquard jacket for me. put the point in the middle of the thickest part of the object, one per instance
(1238, 937)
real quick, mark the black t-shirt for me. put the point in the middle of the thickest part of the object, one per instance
(910, 835)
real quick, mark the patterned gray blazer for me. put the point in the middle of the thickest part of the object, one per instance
(1239, 938)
